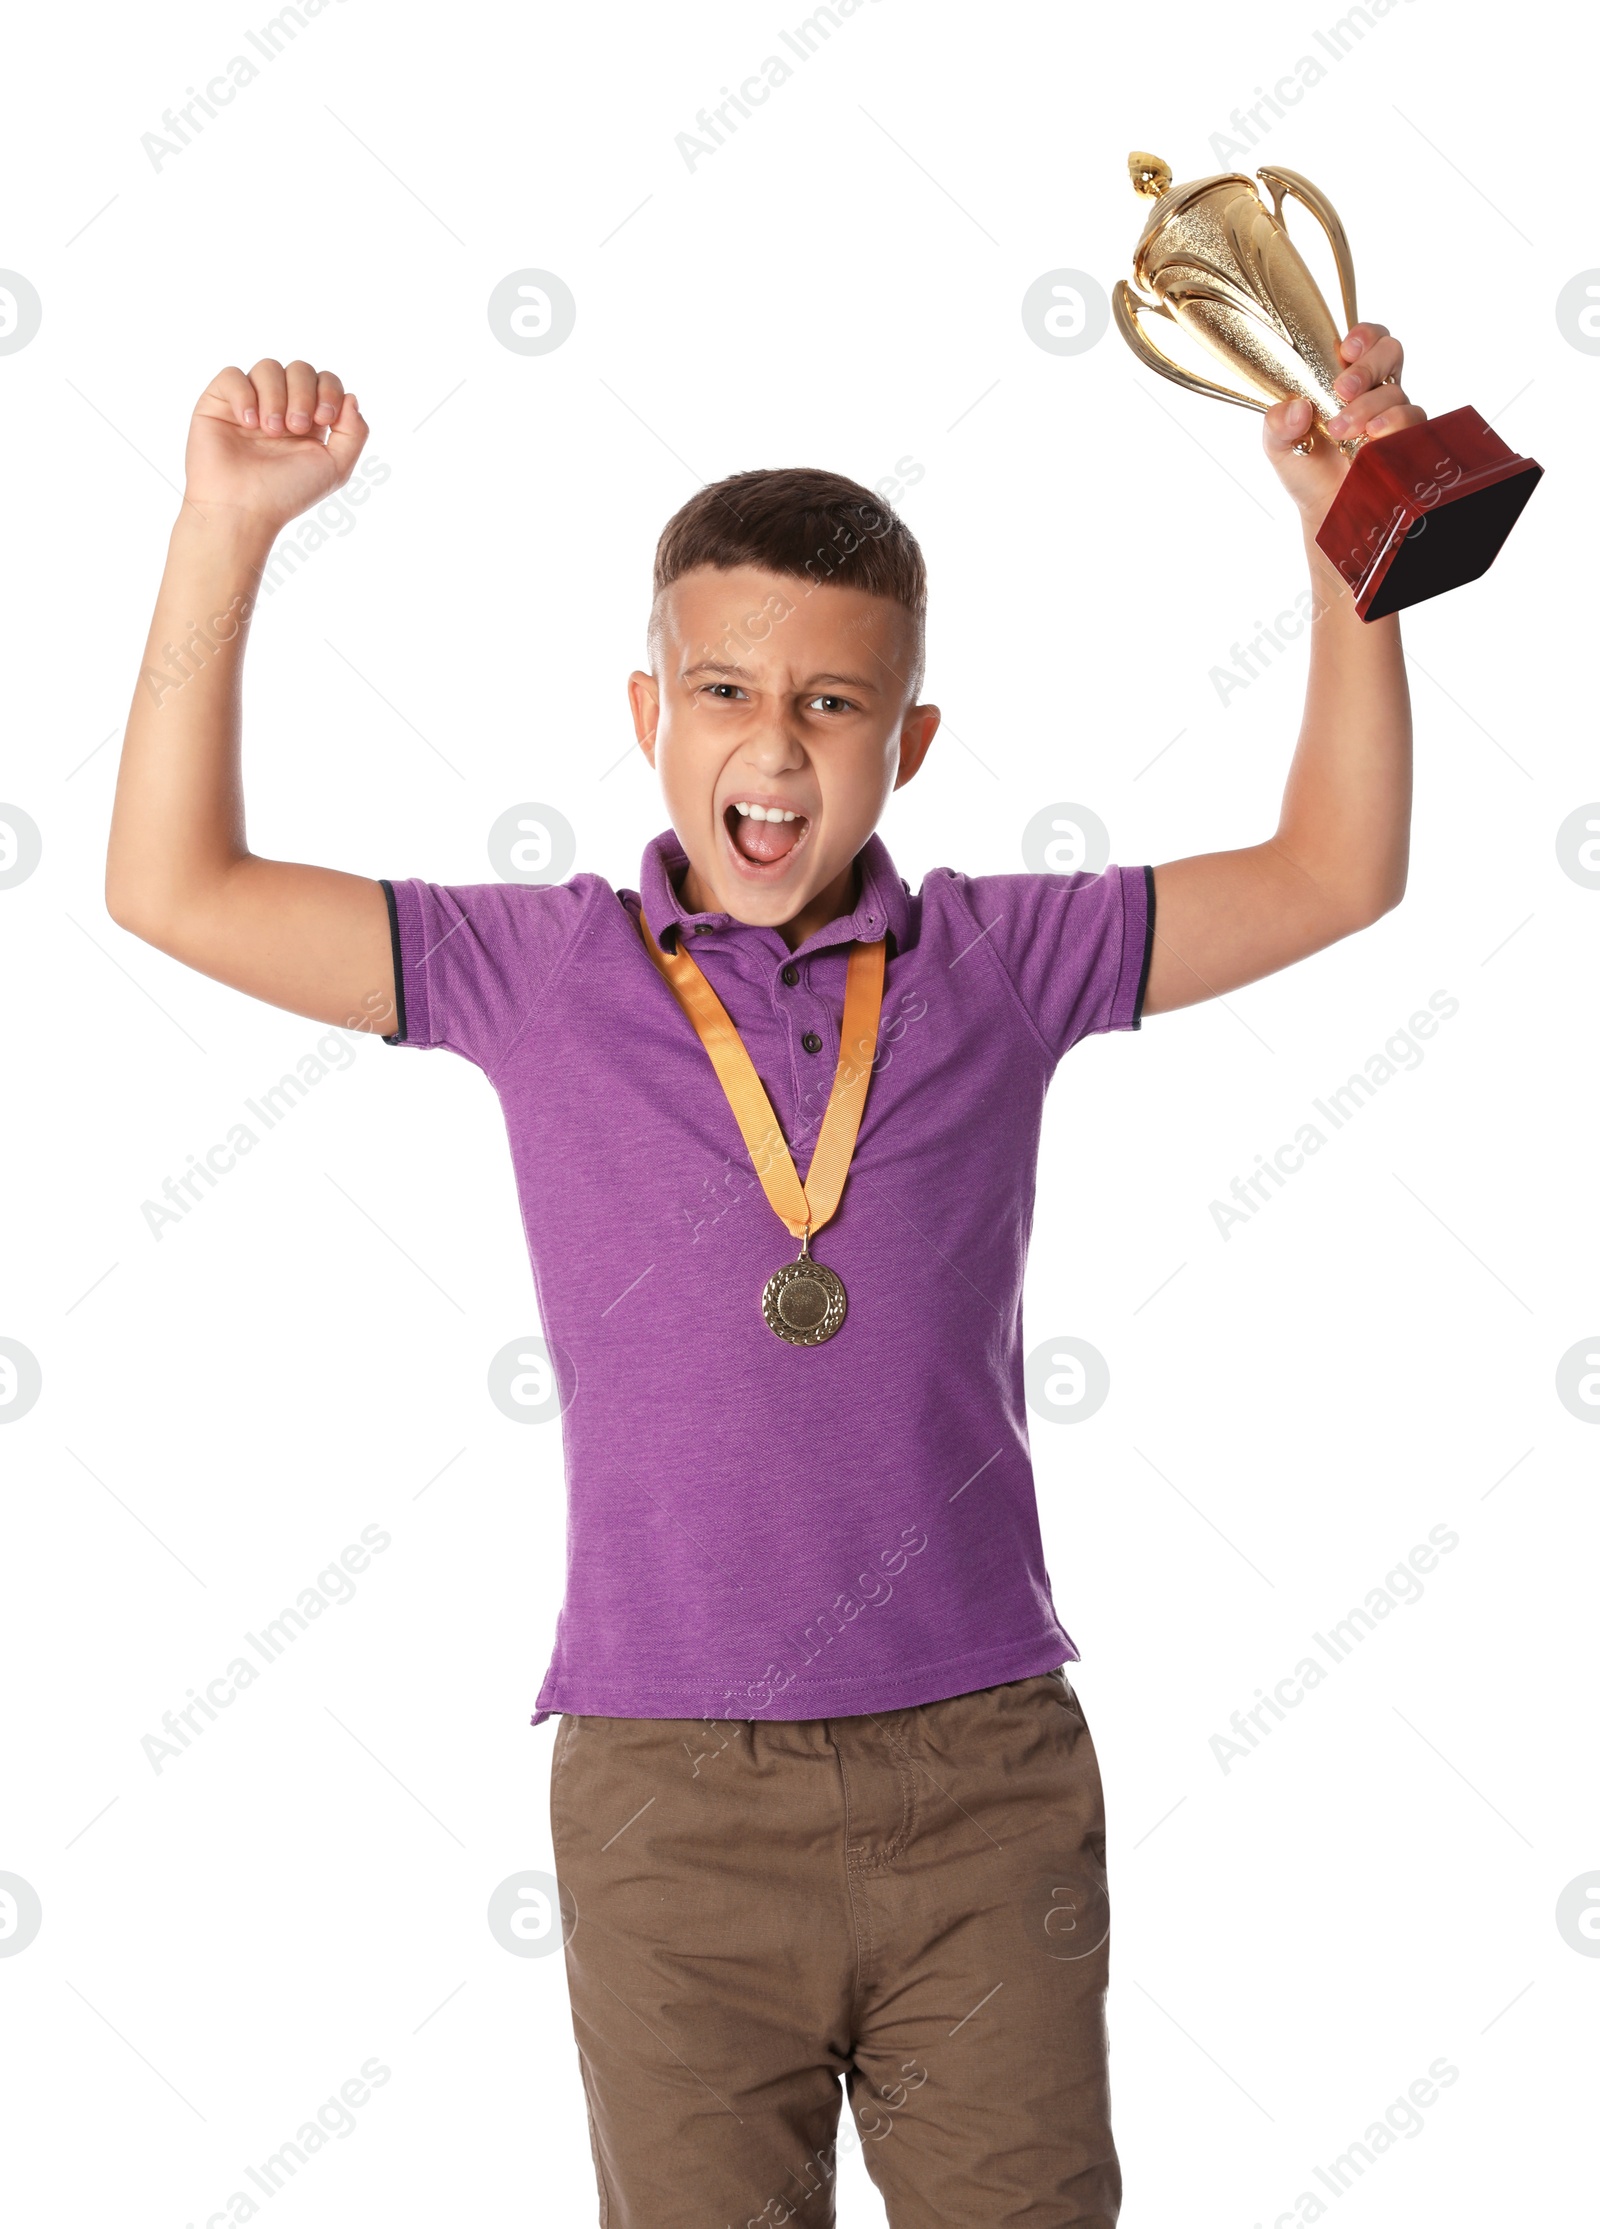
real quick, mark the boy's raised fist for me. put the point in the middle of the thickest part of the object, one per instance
(271, 442)
(1374, 403)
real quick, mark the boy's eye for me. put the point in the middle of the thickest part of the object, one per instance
(831, 704)
(726, 690)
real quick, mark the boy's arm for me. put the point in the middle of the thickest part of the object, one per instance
(1338, 858)
(179, 871)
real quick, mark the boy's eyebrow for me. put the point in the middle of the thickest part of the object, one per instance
(716, 665)
(742, 673)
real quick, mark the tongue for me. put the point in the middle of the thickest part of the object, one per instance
(766, 840)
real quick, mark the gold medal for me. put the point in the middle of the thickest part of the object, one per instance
(804, 1301)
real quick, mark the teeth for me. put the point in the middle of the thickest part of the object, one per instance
(763, 812)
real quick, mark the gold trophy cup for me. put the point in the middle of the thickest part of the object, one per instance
(1418, 511)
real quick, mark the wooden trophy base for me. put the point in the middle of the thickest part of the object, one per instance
(1424, 510)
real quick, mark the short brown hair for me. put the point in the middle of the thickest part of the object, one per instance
(816, 526)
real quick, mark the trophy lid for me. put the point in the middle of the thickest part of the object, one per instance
(1152, 177)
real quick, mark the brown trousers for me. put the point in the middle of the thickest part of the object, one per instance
(914, 1903)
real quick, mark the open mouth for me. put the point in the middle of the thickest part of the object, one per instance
(762, 834)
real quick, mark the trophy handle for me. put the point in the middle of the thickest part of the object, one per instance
(1125, 308)
(1281, 183)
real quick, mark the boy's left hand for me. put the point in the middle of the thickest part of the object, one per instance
(1374, 403)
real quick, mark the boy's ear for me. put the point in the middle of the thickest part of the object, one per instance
(644, 699)
(917, 731)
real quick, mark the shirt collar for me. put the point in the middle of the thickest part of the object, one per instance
(883, 907)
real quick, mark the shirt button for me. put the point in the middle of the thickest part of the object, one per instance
(702, 928)
(811, 1041)
(791, 975)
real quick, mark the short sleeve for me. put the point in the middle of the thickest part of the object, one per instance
(471, 962)
(1075, 948)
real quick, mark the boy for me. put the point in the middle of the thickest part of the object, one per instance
(823, 1800)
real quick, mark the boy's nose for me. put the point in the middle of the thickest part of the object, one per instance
(776, 749)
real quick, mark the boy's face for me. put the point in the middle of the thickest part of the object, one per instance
(770, 693)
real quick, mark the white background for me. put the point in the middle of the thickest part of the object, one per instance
(1374, 1887)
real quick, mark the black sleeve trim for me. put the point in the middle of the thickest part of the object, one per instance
(399, 1036)
(1149, 945)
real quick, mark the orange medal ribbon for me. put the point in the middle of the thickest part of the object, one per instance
(803, 1302)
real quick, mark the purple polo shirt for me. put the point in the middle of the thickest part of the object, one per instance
(758, 1530)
